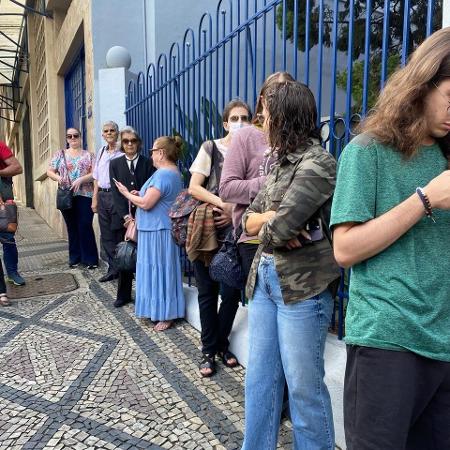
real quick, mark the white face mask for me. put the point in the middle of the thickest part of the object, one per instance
(233, 126)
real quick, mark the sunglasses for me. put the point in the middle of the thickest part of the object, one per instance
(244, 118)
(72, 136)
(155, 149)
(129, 141)
(111, 130)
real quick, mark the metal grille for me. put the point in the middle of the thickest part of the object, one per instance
(75, 97)
(41, 90)
(343, 50)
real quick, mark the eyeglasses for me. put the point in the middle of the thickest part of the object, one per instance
(72, 136)
(244, 118)
(129, 141)
(155, 149)
(443, 95)
(111, 130)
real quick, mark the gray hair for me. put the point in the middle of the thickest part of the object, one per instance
(113, 124)
(129, 129)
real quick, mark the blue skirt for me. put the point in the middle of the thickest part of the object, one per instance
(159, 287)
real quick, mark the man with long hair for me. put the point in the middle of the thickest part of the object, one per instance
(391, 222)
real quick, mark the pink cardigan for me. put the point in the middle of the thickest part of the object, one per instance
(246, 164)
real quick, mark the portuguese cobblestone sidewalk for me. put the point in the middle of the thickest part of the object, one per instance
(77, 373)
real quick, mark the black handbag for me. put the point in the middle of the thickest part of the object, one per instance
(125, 256)
(226, 266)
(64, 197)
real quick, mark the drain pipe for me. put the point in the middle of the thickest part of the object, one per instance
(145, 34)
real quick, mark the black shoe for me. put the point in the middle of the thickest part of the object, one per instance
(228, 358)
(109, 276)
(91, 266)
(120, 302)
(207, 362)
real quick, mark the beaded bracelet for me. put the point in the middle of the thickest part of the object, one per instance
(426, 203)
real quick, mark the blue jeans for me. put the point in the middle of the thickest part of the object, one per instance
(286, 341)
(10, 255)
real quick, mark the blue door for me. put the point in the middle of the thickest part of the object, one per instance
(75, 93)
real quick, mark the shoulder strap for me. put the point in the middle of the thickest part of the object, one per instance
(101, 153)
(215, 161)
(67, 167)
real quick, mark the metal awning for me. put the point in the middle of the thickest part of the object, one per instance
(13, 47)
(12, 23)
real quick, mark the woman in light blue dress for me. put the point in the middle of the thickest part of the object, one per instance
(159, 288)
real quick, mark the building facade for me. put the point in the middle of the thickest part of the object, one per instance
(66, 43)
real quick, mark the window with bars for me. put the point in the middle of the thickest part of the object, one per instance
(41, 90)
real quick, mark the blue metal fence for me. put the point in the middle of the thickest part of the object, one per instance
(343, 49)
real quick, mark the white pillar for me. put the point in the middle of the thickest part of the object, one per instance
(446, 13)
(113, 88)
(112, 94)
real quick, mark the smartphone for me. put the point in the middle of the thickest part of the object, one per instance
(315, 229)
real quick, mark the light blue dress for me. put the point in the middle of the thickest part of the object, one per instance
(159, 287)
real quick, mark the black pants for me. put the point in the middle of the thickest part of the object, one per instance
(108, 237)
(125, 281)
(216, 325)
(396, 401)
(247, 253)
(82, 245)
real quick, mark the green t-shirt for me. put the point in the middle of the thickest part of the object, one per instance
(400, 298)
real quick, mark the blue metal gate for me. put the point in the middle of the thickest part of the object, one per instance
(343, 49)
(75, 97)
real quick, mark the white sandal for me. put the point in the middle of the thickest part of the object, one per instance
(4, 300)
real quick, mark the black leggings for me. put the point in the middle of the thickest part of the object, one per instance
(247, 253)
(216, 325)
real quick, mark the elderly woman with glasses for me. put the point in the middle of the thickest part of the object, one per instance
(132, 170)
(159, 288)
(72, 169)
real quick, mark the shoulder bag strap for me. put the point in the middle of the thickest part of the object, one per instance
(67, 167)
(101, 153)
(215, 163)
(129, 209)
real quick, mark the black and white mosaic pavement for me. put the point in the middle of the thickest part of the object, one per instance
(77, 373)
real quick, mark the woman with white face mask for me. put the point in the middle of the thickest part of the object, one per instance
(204, 186)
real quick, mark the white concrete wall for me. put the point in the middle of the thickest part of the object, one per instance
(116, 22)
(112, 92)
(446, 13)
(335, 357)
(112, 88)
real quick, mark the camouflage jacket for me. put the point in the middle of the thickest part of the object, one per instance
(296, 188)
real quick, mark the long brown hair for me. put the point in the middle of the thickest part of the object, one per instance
(398, 118)
(276, 77)
(292, 117)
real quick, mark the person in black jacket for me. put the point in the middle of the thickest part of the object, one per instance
(132, 170)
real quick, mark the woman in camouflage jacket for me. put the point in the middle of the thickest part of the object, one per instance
(290, 306)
